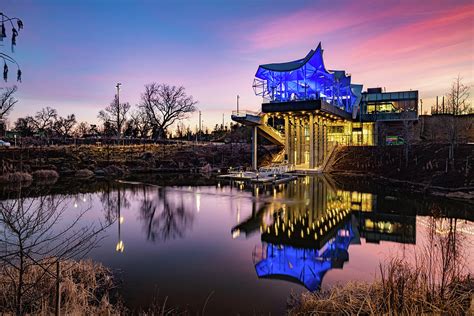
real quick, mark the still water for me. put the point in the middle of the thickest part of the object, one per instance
(245, 249)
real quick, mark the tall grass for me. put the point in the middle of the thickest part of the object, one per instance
(435, 282)
(85, 289)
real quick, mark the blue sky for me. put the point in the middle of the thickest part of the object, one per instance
(72, 53)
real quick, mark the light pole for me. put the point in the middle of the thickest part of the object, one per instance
(238, 97)
(118, 109)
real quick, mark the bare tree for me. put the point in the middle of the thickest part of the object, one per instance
(141, 123)
(458, 98)
(115, 115)
(63, 126)
(25, 126)
(164, 105)
(7, 100)
(162, 219)
(34, 234)
(82, 129)
(44, 119)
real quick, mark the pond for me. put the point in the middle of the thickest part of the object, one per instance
(231, 247)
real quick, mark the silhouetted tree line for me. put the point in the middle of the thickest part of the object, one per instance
(160, 107)
(456, 100)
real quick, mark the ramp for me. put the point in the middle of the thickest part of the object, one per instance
(248, 118)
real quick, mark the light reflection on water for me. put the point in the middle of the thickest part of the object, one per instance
(249, 246)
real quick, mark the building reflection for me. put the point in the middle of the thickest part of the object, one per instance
(308, 225)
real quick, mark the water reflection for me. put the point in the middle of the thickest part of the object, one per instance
(308, 225)
(162, 217)
(307, 232)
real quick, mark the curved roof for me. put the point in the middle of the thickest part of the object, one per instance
(292, 65)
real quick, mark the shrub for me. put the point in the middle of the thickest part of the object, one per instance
(45, 174)
(15, 177)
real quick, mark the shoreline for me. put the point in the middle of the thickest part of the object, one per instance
(465, 194)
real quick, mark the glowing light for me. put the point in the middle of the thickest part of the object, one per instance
(198, 202)
(236, 233)
(120, 246)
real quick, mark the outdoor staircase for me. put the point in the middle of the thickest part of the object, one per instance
(249, 118)
(279, 157)
(271, 134)
(330, 157)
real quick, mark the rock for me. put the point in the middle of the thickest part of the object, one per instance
(206, 169)
(99, 173)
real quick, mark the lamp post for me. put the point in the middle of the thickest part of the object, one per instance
(238, 97)
(118, 108)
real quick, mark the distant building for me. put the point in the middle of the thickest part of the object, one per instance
(309, 110)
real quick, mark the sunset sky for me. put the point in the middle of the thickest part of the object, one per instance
(72, 53)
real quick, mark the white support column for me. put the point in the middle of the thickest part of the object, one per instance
(311, 141)
(287, 138)
(291, 153)
(298, 141)
(254, 148)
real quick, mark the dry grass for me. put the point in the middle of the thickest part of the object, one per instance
(85, 289)
(436, 283)
(401, 290)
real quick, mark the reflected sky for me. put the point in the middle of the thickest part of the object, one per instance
(248, 248)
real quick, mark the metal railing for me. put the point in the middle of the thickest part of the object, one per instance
(242, 113)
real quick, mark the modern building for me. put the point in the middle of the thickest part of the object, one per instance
(309, 110)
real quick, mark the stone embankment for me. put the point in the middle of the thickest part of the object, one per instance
(432, 168)
(116, 161)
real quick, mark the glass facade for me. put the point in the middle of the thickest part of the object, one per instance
(305, 79)
(389, 105)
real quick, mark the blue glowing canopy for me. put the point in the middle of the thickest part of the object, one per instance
(305, 266)
(305, 79)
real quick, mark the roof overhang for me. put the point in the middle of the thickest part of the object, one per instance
(305, 105)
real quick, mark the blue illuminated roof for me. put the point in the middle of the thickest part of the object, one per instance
(305, 266)
(305, 79)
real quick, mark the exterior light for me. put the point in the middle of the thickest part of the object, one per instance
(236, 233)
(120, 246)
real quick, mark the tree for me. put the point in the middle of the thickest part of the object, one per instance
(162, 218)
(7, 100)
(25, 126)
(35, 236)
(141, 123)
(63, 126)
(164, 105)
(44, 119)
(115, 114)
(7, 59)
(82, 129)
(458, 98)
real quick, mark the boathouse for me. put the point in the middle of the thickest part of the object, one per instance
(310, 110)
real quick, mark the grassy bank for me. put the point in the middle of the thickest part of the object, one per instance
(435, 281)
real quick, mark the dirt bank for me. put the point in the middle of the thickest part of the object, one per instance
(425, 168)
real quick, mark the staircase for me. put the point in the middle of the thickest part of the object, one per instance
(271, 134)
(249, 118)
(279, 157)
(330, 157)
